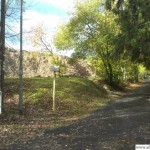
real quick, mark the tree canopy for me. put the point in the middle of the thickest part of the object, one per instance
(134, 20)
(112, 34)
(91, 33)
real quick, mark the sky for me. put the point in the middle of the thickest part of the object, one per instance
(48, 13)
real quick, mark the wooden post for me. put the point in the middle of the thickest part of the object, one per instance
(54, 88)
(54, 69)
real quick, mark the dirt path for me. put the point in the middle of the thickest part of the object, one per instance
(118, 126)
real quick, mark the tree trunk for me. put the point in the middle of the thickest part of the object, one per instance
(110, 74)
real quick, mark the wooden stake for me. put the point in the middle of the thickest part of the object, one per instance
(54, 88)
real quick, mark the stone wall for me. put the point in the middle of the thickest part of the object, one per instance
(38, 64)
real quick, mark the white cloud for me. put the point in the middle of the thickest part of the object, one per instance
(33, 19)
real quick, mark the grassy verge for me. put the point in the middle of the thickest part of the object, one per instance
(75, 98)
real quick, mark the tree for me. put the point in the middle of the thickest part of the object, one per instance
(91, 31)
(134, 19)
(12, 16)
(40, 41)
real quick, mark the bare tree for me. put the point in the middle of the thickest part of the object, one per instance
(12, 15)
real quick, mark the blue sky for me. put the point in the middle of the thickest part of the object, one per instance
(57, 8)
(45, 8)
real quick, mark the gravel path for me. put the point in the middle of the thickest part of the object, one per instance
(118, 126)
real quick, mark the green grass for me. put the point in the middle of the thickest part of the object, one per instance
(73, 95)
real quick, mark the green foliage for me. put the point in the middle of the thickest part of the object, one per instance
(134, 20)
(97, 66)
(63, 40)
(91, 33)
(55, 60)
(142, 71)
(113, 43)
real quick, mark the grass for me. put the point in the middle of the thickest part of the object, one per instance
(73, 95)
(75, 98)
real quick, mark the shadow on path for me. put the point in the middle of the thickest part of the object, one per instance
(118, 126)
